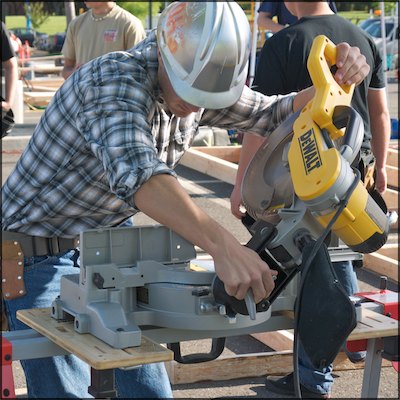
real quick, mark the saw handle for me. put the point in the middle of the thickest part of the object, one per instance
(328, 93)
(217, 347)
(348, 117)
(263, 232)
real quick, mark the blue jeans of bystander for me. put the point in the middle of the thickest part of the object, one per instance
(321, 380)
(67, 376)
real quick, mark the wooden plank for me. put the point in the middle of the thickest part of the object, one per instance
(11, 150)
(42, 69)
(38, 99)
(93, 351)
(382, 265)
(393, 158)
(390, 250)
(280, 340)
(374, 325)
(227, 153)
(50, 82)
(391, 198)
(210, 165)
(392, 176)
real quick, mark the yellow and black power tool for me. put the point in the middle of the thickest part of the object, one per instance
(302, 180)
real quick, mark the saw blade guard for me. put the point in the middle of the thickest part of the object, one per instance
(267, 185)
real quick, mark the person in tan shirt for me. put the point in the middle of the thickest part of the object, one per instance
(104, 28)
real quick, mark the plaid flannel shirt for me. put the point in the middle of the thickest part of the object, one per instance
(104, 134)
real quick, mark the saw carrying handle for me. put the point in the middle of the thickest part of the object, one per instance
(328, 93)
(322, 176)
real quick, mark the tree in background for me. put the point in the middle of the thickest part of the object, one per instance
(37, 13)
(141, 8)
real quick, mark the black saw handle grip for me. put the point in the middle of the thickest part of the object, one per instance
(217, 347)
(262, 232)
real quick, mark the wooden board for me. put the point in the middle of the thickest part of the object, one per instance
(374, 325)
(393, 158)
(38, 99)
(11, 150)
(210, 165)
(93, 351)
(227, 153)
(392, 177)
(280, 340)
(391, 198)
(382, 265)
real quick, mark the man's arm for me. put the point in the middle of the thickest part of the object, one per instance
(163, 199)
(69, 67)
(11, 76)
(264, 21)
(380, 132)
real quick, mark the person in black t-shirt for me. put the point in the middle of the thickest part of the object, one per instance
(281, 69)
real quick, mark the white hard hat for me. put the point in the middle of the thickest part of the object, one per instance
(205, 49)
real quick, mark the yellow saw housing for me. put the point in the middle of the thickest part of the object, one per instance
(322, 177)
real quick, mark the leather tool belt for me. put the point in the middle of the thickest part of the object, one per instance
(16, 246)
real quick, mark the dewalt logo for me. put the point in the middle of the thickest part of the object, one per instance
(309, 151)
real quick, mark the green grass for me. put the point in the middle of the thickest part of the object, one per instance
(354, 16)
(52, 25)
(58, 23)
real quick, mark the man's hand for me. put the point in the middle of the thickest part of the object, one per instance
(240, 268)
(381, 180)
(352, 65)
(5, 106)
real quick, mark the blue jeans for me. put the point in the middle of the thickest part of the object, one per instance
(67, 376)
(320, 381)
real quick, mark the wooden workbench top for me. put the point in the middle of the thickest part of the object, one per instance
(88, 348)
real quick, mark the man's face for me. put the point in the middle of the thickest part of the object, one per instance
(176, 105)
(95, 4)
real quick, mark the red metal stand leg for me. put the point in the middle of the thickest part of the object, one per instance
(7, 379)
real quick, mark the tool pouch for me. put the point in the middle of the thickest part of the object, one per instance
(327, 316)
(12, 270)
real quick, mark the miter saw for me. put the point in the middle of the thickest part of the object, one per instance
(298, 188)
